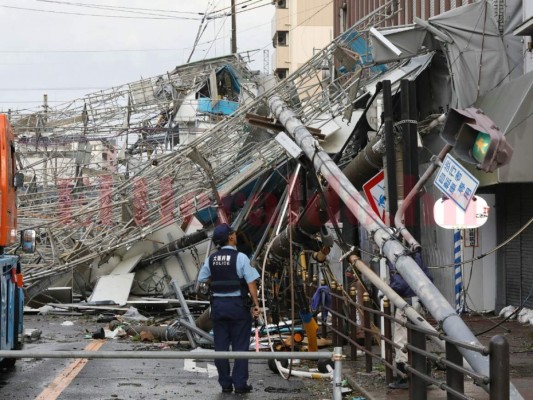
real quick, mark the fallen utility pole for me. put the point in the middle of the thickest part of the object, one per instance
(390, 246)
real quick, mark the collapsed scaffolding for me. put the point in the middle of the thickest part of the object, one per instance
(112, 203)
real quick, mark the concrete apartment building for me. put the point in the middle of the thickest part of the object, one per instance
(300, 28)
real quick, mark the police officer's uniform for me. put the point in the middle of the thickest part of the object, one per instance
(230, 271)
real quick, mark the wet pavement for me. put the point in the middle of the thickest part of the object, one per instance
(137, 379)
(159, 379)
(372, 386)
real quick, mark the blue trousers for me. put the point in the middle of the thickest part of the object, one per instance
(232, 325)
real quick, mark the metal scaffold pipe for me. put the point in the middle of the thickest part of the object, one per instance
(395, 298)
(391, 247)
(366, 164)
(170, 355)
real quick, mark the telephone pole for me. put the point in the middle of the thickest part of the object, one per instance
(233, 29)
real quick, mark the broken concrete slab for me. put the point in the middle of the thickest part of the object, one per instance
(112, 289)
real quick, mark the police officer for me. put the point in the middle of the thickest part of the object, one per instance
(231, 278)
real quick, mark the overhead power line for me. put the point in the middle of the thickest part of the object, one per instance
(86, 51)
(31, 101)
(164, 17)
(225, 14)
(243, 5)
(50, 88)
(118, 8)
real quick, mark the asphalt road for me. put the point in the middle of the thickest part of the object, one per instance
(120, 379)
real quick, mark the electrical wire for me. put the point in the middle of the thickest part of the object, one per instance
(201, 30)
(128, 9)
(464, 291)
(217, 35)
(160, 18)
(8, 89)
(196, 44)
(29, 101)
(240, 5)
(291, 265)
(215, 38)
(263, 272)
(82, 51)
(503, 80)
(505, 243)
(509, 316)
(252, 8)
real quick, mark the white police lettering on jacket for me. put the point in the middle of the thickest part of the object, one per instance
(221, 260)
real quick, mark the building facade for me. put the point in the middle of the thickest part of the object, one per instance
(300, 28)
(402, 12)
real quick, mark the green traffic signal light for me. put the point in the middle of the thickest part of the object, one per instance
(476, 139)
(481, 146)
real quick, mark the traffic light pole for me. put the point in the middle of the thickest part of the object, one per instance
(395, 252)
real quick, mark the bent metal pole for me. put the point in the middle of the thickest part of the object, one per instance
(395, 298)
(395, 252)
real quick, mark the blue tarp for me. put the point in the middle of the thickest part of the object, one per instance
(222, 106)
(235, 85)
(355, 42)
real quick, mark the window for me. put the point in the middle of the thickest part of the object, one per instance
(342, 18)
(282, 73)
(282, 38)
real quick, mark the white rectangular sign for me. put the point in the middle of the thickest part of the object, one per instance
(288, 144)
(456, 182)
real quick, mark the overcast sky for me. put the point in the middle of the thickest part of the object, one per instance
(67, 49)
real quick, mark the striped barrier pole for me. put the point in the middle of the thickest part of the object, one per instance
(457, 246)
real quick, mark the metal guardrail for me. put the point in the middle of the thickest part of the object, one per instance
(342, 309)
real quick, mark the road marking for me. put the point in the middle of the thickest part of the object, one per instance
(54, 389)
(190, 365)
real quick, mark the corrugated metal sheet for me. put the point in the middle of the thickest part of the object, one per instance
(526, 241)
(518, 254)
